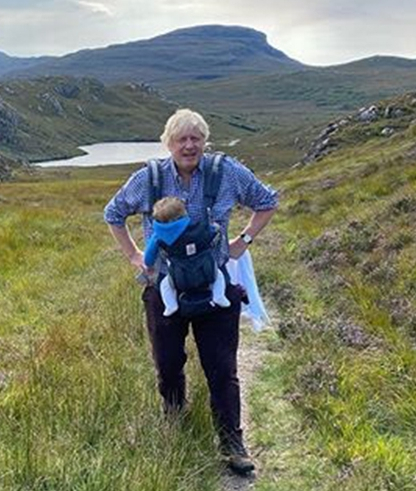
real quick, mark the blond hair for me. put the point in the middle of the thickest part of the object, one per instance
(169, 209)
(184, 120)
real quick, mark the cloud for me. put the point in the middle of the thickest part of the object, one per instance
(96, 7)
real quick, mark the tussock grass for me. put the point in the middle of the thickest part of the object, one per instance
(343, 350)
(79, 407)
(333, 407)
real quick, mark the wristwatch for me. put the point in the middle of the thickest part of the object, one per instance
(246, 238)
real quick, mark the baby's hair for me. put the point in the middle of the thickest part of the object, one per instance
(169, 209)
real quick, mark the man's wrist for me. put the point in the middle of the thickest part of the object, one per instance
(134, 255)
(246, 238)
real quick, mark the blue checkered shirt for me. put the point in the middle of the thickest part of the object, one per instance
(238, 185)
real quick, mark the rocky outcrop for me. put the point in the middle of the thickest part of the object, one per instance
(367, 114)
(52, 103)
(365, 122)
(67, 89)
(9, 122)
(324, 144)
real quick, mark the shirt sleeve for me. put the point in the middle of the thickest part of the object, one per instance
(250, 191)
(130, 199)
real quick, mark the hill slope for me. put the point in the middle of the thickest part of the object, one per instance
(50, 117)
(287, 109)
(345, 287)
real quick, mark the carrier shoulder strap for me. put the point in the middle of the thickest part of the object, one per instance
(155, 182)
(213, 171)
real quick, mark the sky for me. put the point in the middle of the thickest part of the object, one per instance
(319, 32)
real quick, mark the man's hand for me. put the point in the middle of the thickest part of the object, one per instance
(137, 260)
(237, 247)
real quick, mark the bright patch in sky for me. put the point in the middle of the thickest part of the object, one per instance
(96, 7)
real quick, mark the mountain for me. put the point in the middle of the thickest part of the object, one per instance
(197, 53)
(12, 63)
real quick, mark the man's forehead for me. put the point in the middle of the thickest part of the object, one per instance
(188, 131)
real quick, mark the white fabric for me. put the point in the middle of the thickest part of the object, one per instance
(218, 291)
(241, 272)
(169, 297)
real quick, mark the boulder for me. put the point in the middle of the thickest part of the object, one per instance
(387, 131)
(369, 114)
(68, 90)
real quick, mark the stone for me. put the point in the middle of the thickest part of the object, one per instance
(368, 114)
(387, 131)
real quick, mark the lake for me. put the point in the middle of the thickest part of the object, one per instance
(111, 153)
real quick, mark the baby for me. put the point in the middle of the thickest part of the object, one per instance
(171, 223)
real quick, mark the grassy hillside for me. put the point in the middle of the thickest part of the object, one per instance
(50, 117)
(78, 401)
(333, 407)
(342, 356)
(284, 111)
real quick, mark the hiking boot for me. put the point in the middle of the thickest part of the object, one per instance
(238, 460)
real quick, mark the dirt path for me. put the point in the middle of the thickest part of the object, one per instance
(250, 358)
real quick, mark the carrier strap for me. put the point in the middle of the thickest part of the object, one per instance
(213, 170)
(155, 182)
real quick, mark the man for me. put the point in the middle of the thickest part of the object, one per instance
(216, 334)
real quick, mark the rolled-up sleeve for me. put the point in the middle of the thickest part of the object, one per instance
(251, 192)
(130, 199)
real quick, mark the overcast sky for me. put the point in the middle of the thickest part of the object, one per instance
(319, 32)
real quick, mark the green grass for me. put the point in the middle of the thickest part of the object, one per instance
(343, 279)
(332, 407)
(79, 407)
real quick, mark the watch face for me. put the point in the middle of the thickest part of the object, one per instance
(246, 238)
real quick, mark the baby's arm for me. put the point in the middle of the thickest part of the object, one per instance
(151, 251)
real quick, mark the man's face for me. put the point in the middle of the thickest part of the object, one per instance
(187, 149)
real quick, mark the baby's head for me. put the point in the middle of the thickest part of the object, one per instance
(169, 209)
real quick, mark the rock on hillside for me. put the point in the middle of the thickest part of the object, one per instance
(196, 53)
(382, 120)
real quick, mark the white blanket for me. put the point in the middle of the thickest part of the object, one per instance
(241, 272)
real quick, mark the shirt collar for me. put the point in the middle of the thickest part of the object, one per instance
(174, 169)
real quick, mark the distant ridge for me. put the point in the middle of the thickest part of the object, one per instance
(195, 53)
(13, 63)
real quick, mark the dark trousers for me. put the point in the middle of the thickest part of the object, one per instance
(216, 336)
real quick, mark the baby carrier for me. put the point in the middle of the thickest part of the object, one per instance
(191, 263)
